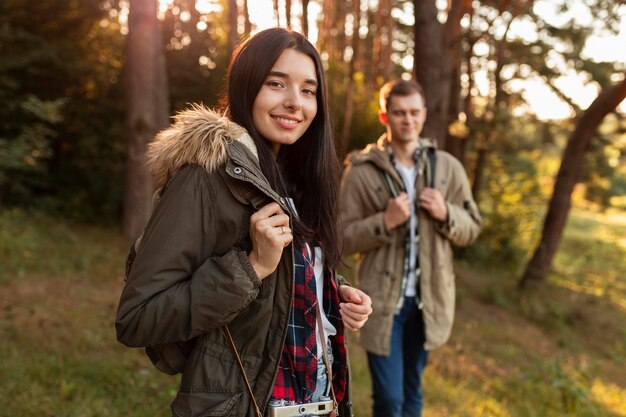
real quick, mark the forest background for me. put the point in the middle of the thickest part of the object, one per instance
(527, 94)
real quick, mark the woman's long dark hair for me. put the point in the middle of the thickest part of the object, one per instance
(308, 170)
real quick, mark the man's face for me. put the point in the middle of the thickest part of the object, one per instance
(404, 118)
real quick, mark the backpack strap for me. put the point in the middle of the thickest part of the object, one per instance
(390, 184)
(431, 153)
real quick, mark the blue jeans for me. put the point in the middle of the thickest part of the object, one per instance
(397, 378)
(322, 388)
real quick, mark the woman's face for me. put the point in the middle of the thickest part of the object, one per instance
(287, 102)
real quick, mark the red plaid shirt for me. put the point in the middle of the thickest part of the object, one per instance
(297, 371)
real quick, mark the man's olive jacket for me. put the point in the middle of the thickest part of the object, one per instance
(191, 273)
(380, 261)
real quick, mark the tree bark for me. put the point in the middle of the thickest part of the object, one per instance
(339, 33)
(353, 68)
(387, 47)
(492, 131)
(381, 50)
(479, 169)
(330, 25)
(569, 172)
(147, 110)
(453, 37)
(432, 69)
(288, 13)
(233, 15)
(246, 15)
(305, 18)
(277, 12)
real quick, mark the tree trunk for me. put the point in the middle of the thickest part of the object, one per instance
(432, 69)
(382, 43)
(147, 110)
(569, 172)
(331, 29)
(492, 129)
(339, 33)
(479, 168)
(305, 18)
(453, 37)
(233, 15)
(288, 13)
(353, 68)
(246, 16)
(277, 12)
(388, 25)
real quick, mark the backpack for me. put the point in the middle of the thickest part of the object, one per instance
(170, 358)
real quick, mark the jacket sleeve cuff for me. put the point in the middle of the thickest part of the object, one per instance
(248, 269)
(380, 230)
(447, 227)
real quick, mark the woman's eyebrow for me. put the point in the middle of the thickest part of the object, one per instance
(281, 74)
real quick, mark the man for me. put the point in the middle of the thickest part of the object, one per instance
(403, 204)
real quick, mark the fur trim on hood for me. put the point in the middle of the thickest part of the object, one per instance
(198, 136)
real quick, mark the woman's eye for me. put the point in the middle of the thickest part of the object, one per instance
(275, 84)
(309, 92)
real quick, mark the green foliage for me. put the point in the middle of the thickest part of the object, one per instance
(604, 171)
(60, 111)
(23, 156)
(512, 199)
(365, 127)
(72, 65)
(559, 389)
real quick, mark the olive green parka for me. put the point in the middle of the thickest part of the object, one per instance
(191, 273)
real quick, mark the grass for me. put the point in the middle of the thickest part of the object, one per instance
(556, 351)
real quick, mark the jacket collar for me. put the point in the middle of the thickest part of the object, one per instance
(381, 155)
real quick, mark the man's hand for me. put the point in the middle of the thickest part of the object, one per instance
(431, 200)
(270, 233)
(398, 211)
(355, 308)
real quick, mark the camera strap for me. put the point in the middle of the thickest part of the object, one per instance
(329, 374)
(243, 371)
(320, 326)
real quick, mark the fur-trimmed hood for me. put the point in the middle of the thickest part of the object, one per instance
(198, 136)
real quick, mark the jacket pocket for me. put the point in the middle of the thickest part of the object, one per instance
(204, 402)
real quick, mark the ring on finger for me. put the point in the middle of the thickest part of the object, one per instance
(282, 230)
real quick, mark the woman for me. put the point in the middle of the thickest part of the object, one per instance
(244, 235)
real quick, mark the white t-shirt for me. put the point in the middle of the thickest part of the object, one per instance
(318, 268)
(409, 175)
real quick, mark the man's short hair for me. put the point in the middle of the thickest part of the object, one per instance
(400, 88)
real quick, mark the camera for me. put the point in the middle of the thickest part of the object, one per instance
(282, 408)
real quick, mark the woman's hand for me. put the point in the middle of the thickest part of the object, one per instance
(270, 233)
(355, 308)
